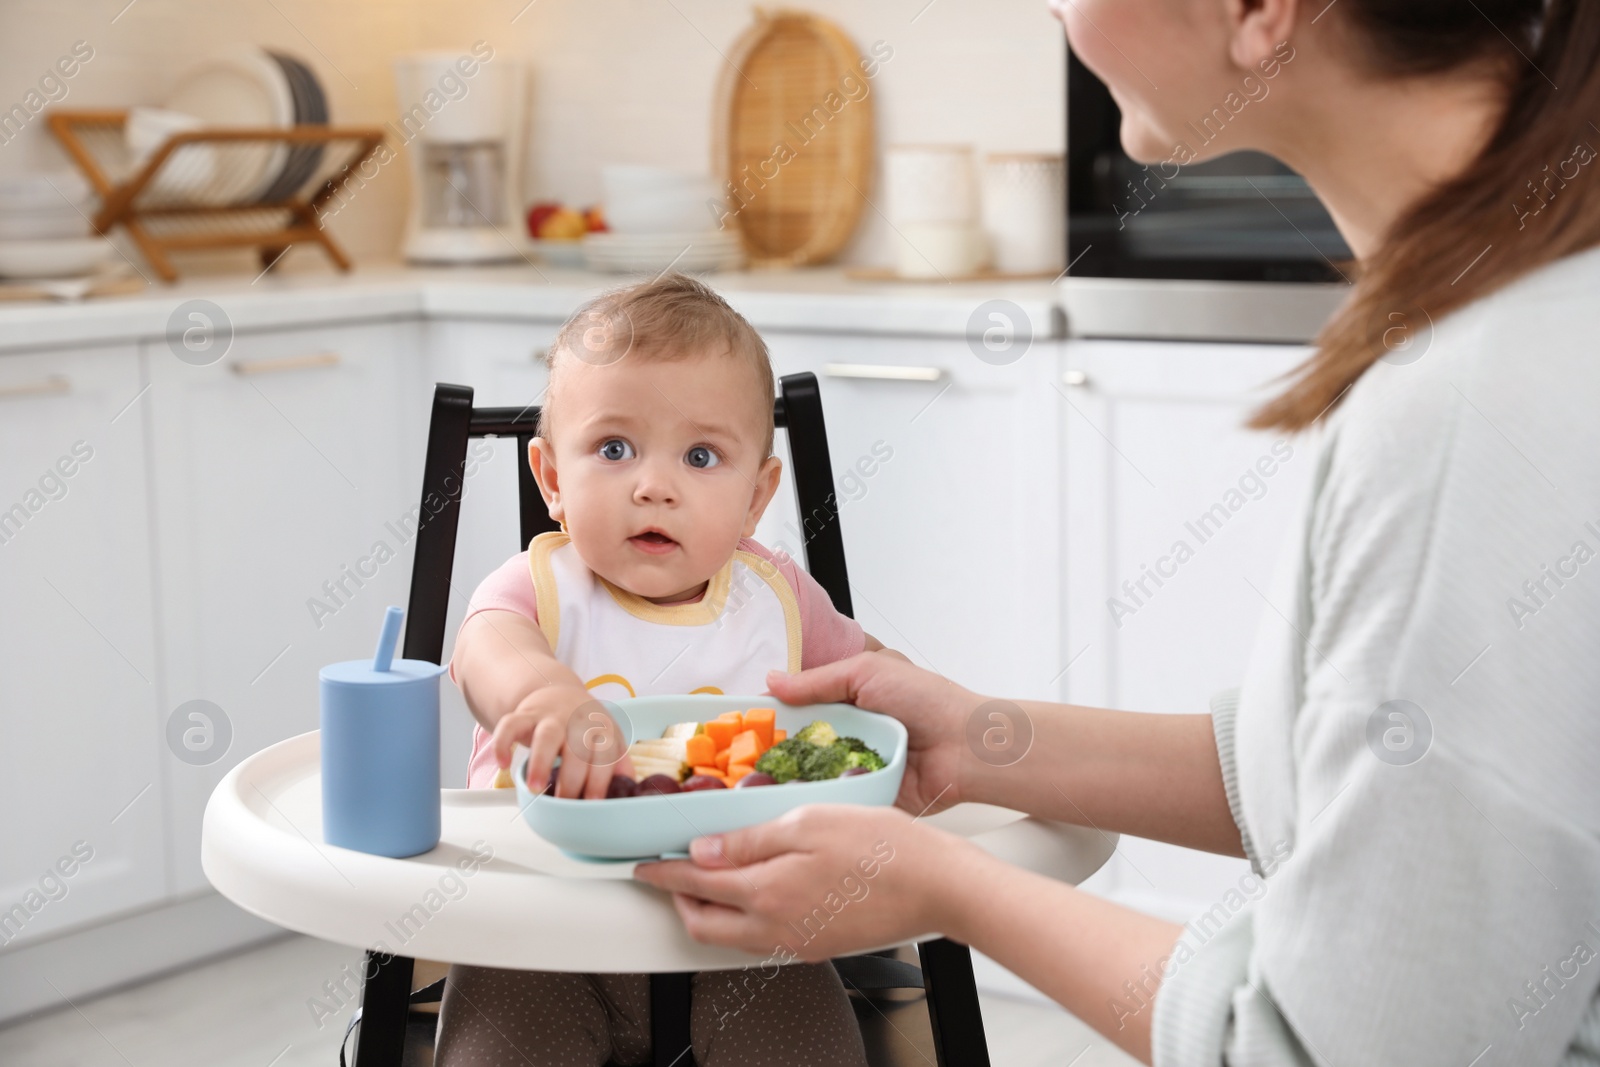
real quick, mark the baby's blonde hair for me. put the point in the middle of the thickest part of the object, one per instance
(668, 318)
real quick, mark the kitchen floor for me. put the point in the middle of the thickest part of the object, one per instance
(253, 1010)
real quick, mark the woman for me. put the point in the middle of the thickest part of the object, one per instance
(1433, 892)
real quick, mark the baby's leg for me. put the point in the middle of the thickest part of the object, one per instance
(491, 1017)
(770, 1016)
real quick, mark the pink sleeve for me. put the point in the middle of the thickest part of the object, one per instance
(825, 635)
(508, 588)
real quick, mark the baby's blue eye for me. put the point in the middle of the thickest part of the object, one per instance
(702, 457)
(616, 450)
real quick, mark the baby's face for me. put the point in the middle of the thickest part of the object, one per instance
(657, 467)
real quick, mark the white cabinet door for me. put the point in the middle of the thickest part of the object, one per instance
(1175, 516)
(288, 477)
(503, 363)
(82, 762)
(948, 499)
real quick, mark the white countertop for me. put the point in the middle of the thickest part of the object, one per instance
(814, 301)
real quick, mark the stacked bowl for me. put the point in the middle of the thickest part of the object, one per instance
(661, 218)
(44, 227)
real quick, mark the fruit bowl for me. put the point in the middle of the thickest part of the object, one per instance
(638, 827)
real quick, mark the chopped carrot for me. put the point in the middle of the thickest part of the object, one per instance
(779, 735)
(761, 720)
(711, 772)
(722, 759)
(721, 732)
(745, 748)
(732, 716)
(738, 771)
(700, 749)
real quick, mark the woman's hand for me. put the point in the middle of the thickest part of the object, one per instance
(934, 710)
(564, 720)
(821, 881)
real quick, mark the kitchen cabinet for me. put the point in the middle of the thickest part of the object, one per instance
(287, 477)
(81, 769)
(1174, 518)
(947, 491)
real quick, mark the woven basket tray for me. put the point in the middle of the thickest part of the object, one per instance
(794, 138)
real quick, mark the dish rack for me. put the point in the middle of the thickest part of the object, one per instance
(220, 188)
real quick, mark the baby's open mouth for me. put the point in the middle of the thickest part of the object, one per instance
(653, 541)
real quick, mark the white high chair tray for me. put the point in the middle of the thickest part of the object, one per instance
(528, 905)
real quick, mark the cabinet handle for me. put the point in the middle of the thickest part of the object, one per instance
(247, 367)
(884, 372)
(1075, 378)
(53, 385)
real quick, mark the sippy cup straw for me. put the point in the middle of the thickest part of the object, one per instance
(387, 638)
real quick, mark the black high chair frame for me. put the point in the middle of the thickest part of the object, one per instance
(946, 974)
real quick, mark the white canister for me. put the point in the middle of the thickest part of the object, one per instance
(930, 183)
(1024, 212)
(944, 250)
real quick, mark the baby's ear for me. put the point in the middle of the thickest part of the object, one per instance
(542, 462)
(766, 479)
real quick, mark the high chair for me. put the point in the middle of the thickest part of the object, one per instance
(946, 973)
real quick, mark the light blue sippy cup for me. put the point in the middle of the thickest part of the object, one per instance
(380, 751)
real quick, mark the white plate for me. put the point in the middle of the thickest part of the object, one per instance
(651, 265)
(689, 252)
(240, 87)
(53, 221)
(44, 191)
(654, 244)
(567, 253)
(63, 258)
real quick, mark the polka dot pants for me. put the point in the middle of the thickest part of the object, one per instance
(756, 1017)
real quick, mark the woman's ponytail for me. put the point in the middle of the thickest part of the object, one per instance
(1531, 197)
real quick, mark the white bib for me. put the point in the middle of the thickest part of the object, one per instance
(622, 645)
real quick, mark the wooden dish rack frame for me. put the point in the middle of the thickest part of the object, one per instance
(212, 225)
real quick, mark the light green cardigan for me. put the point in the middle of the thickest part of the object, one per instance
(1440, 899)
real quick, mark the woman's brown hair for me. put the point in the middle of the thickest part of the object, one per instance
(1531, 197)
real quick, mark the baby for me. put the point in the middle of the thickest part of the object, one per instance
(655, 455)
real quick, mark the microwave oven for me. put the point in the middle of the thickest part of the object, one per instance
(1241, 217)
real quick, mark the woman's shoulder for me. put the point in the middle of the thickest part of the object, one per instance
(1522, 363)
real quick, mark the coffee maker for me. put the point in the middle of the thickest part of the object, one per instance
(461, 125)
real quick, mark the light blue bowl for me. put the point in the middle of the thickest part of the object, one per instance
(647, 826)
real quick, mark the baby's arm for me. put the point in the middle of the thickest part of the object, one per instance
(518, 690)
(874, 645)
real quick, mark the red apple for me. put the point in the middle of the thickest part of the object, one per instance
(537, 213)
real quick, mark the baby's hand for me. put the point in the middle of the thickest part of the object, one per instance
(564, 720)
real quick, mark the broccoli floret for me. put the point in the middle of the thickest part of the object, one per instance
(818, 733)
(820, 763)
(867, 758)
(860, 754)
(800, 758)
(782, 760)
